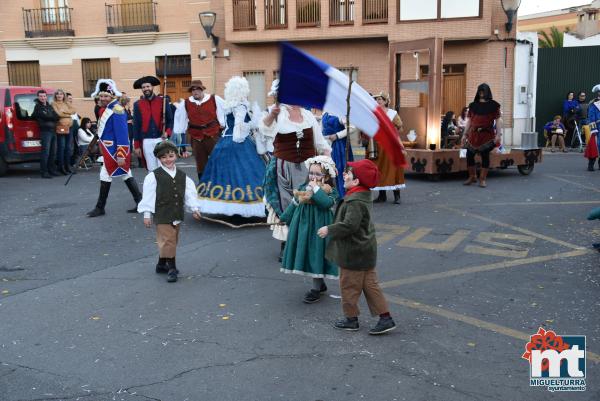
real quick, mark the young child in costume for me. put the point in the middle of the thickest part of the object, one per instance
(311, 208)
(166, 191)
(353, 247)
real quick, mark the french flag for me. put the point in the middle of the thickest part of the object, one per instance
(307, 81)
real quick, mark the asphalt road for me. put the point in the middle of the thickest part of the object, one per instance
(470, 274)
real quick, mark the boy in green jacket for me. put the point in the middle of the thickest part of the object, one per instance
(353, 247)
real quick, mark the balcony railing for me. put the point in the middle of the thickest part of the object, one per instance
(375, 11)
(244, 15)
(131, 17)
(44, 22)
(308, 13)
(275, 14)
(341, 12)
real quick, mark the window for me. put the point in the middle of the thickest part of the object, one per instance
(54, 11)
(346, 71)
(93, 70)
(411, 10)
(24, 73)
(256, 80)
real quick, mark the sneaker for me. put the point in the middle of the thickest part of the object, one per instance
(312, 296)
(161, 268)
(172, 275)
(347, 324)
(384, 325)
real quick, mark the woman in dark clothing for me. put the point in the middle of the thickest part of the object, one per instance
(448, 127)
(570, 109)
(482, 133)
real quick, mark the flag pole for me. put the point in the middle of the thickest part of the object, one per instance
(164, 105)
(348, 112)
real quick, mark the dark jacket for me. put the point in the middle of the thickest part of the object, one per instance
(352, 243)
(45, 115)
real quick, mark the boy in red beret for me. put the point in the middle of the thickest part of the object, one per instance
(353, 247)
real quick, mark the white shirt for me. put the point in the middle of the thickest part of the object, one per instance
(183, 117)
(84, 137)
(148, 201)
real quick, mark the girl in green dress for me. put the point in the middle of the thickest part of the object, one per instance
(311, 208)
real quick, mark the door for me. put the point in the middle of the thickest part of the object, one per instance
(55, 14)
(454, 93)
(177, 87)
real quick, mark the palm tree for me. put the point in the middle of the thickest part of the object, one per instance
(555, 39)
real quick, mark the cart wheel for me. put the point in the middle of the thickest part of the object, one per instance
(525, 169)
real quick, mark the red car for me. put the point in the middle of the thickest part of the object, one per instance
(19, 133)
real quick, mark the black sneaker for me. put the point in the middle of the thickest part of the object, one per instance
(312, 296)
(346, 324)
(172, 275)
(384, 325)
(161, 268)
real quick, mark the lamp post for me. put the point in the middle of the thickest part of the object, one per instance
(207, 20)
(510, 9)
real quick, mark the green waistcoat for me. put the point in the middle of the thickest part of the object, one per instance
(170, 196)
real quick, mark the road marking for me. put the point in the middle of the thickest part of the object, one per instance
(483, 268)
(496, 328)
(414, 240)
(514, 228)
(573, 183)
(501, 248)
(387, 232)
(537, 203)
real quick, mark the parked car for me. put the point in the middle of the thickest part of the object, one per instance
(19, 134)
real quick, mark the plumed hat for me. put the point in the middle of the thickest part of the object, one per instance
(149, 79)
(325, 162)
(596, 88)
(274, 88)
(164, 147)
(366, 172)
(105, 85)
(382, 95)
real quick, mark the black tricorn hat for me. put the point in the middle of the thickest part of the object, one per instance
(147, 79)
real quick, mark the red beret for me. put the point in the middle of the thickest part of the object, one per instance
(366, 171)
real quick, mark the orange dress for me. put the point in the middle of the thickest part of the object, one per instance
(392, 177)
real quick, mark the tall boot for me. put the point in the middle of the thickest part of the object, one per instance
(281, 251)
(598, 163)
(99, 209)
(472, 176)
(135, 192)
(381, 198)
(396, 196)
(482, 176)
(591, 163)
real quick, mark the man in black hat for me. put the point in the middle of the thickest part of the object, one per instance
(148, 120)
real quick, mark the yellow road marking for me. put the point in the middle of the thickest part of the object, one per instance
(514, 228)
(501, 248)
(573, 183)
(496, 328)
(387, 232)
(414, 240)
(483, 268)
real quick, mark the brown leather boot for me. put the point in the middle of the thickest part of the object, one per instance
(482, 176)
(472, 176)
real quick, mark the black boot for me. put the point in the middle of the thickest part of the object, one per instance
(135, 192)
(199, 178)
(63, 170)
(381, 198)
(99, 209)
(598, 163)
(68, 169)
(281, 251)
(397, 196)
(591, 163)
(172, 273)
(161, 266)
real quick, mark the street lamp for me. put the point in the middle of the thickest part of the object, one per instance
(207, 20)
(510, 9)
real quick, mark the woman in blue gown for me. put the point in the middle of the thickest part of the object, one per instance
(336, 133)
(232, 180)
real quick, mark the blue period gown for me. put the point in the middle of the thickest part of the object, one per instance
(332, 125)
(232, 180)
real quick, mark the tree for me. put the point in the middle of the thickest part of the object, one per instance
(555, 39)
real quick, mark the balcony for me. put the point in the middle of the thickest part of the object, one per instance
(244, 15)
(275, 14)
(308, 13)
(47, 22)
(131, 18)
(375, 11)
(341, 12)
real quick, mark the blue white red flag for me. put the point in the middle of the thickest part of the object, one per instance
(307, 81)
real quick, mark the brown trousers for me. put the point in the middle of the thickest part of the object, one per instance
(167, 236)
(355, 282)
(202, 149)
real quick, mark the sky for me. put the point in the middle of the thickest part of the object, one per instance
(538, 6)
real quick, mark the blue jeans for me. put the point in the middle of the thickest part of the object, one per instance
(48, 151)
(63, 150)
